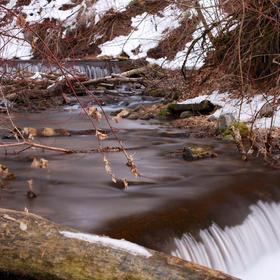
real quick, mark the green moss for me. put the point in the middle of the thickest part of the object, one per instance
(242, 127)
(164, 113)
(192, 153)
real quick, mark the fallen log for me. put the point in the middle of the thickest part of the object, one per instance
(112, 80)
(135, 72)
(34, 248)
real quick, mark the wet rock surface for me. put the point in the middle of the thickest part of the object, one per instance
(225, 121)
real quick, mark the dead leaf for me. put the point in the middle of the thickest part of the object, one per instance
(29, 132)
(132, 166)
(125, 183)
(101, 136)
(94, 113)
(48, 132)
(30, 193)
(107, 166)
(21, 22)
(39, 163)
(5, 173)
(114, 180)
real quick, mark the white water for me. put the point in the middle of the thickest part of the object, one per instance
(91, 70)
(244, 251)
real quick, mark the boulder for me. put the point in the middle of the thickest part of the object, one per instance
(266, 111)
(225, 121)
(205, 107)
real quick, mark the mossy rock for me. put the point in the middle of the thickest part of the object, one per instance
(242, 127)
(164, 113)
(191, 153)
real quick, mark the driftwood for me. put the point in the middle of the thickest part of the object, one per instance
(124, 77)
(135, 72)
(50, 85)
(112, 80)
(34, 248)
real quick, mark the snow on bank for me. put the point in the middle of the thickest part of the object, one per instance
(13, 44)
(101, 7)
(195, 58)
(122, 244)
(247, 110)
(147, 31)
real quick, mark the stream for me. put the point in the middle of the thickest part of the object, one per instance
(220, 212)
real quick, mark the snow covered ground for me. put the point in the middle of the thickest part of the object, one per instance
(147, 30)
(246, 109)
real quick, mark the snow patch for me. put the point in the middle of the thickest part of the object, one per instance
(148, 31)
(101, 7)
(248, 108)
(13, 44)
(122, 244)
(36, 76)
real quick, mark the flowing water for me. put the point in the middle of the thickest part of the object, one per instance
(236, 249)
(220, 212)
(92, 69)
(199, 211)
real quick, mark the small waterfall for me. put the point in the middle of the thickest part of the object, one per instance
(92, 69)
(234, 249)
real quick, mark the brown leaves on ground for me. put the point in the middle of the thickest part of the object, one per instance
(198, 126)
